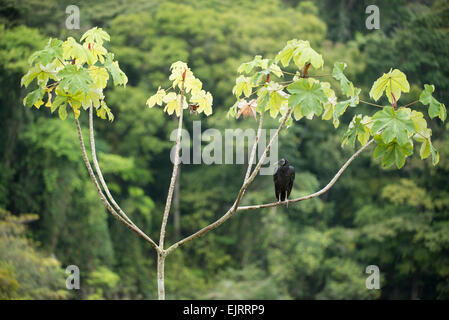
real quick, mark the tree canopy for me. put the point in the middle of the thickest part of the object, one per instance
(317, 249)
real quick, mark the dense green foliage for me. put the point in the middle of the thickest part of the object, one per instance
(317, 249)
(25, 273)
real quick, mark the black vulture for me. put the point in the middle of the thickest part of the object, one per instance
(283, 180)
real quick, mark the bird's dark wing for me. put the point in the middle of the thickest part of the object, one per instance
(277, 185)
(291, 175)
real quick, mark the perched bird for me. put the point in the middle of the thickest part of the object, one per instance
(283, 179)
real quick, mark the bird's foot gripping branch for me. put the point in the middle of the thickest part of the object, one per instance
(73, 75)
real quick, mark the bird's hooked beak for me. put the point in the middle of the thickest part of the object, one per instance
(276, 163)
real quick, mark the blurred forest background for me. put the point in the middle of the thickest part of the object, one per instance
(51, 216)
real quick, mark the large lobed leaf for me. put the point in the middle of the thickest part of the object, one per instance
(307, 95)
(394, 124)
(436, 108)
(393, 83)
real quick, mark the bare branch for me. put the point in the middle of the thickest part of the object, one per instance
(371, 104)
(174, 173)
(313, 195)
(98, 170)
(102, 197)
(253, 151)
(245, 185)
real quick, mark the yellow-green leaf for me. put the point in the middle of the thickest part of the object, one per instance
(243, 84)
(99, 76)
(394, 82)
(157, 98)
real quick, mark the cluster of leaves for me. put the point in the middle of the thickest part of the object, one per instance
(307, 96)
(74, 73)
(190, 87)
(393, 128)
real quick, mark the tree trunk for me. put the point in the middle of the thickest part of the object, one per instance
(177, 213)
(160, 276)
(415, 287)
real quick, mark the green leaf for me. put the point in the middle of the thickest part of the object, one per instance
(92, 98)
(262, 98)
(172, 103)
(30, 76)
(276, 70)
(95, 35)
(286, 54)
(42, 73)
(58, 101)
(97, 51)
(330, 111)
(435, 155)
(301, 52)
(275, 102)
(257, 78)
(394, 82)
(436, 108)
(105, 112)
(358, 128)
(297, 114)
(34, 98)
(74, 79)
(393, 153)
(204, 101)
(192, 84)
(118, 75)
(338, 74)
(427, 148)
(306, 55)
(99, 76)
(247, 67)
(73, 50)
(394, 123)
(242, 84)
(309, 94)
(232, 111)
(62, 112)
(424, 152)
(53, 50)
(157, 98)
(347, 86)
(380, 149)
(417, 117)
(75, 100)
(340, 107)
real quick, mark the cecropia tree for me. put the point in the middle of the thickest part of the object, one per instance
(73, 75)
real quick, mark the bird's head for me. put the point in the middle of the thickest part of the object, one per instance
(283, 162)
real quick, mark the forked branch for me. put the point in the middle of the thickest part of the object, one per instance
(242, 190)
(100, 192)
(98, 170)
(248, 181)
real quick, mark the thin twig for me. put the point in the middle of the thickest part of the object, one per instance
(290, 73)
(371, 104)
(409, 104)
(62, 62)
